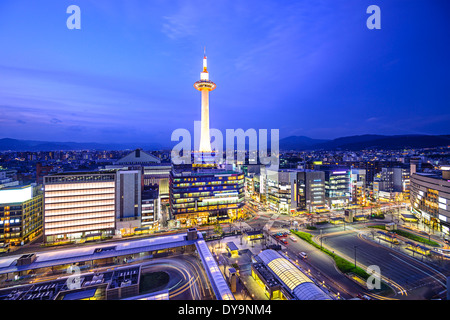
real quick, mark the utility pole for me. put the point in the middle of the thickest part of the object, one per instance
(355, 255)
(320, 238)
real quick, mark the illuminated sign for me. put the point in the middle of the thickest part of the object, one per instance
(339, 172)
(16, 195)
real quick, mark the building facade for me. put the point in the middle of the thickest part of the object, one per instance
(21, 211)
(310, 190)
(338, 188)
(358, 183)
(79, 205)
(206, 196)
(430, 199)
(128, 201)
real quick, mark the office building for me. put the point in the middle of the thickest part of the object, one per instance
(206, 195)
(6, 181)
(151, 209)
(358, 183)
(128, 201)
(289, 190)
(338, 188)
(392, 184)
(79, 205)
(21, 210)
(310, 190)
(430, 199)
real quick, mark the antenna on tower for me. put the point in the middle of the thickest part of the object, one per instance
(204, 51)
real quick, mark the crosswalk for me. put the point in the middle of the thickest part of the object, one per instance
(269, 223)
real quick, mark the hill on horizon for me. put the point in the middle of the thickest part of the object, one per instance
(294, 143)
(370, 141)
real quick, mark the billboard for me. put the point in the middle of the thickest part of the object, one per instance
(16, 195)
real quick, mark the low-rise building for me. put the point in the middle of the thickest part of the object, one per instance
(21, 211)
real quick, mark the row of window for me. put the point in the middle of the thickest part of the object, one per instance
(66, 230)
(79, 223)
(78, 210)
(81, 204)
(73, 217)
(78, 186)
(80, 198)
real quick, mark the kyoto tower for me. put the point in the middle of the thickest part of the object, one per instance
(204, 85)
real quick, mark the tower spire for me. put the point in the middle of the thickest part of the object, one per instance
(205, 66)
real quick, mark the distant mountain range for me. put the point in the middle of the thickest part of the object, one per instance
(367, 141)
(297, 143)
(8, 144)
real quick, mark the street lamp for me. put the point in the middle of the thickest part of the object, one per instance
(355, 254)
(320, 238)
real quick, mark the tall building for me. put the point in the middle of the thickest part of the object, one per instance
(430, 199)
(206, 195)
(338, 188)
(280, 190)
(128, 201)
(151, 208)
(79, 205)
(42, 171)
(393, 184)
(204, 85)
(289, 190)
(21, 210)
(6, 181)
(310, 190)
(358, 182)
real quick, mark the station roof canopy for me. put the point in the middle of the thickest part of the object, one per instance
(300, 285)
(219, 285)
(51, 258)
(232, 246)
(79, 295)
(409, 216)
(252, 232)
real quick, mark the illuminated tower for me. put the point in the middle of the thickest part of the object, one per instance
(204, 85)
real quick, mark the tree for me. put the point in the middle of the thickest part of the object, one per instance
(218, 229)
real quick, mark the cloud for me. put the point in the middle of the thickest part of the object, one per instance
(55, 121)
(182, 23)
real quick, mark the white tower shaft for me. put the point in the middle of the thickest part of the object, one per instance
(204, 85)
(205, 139)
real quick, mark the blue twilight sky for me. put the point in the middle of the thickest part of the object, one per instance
(306, 67)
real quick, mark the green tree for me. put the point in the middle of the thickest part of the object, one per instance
(218, 229)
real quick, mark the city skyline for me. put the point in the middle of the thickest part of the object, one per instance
(307, 68)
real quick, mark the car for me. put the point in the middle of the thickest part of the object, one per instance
(293, 238)
(284, 241)
(303, 255)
